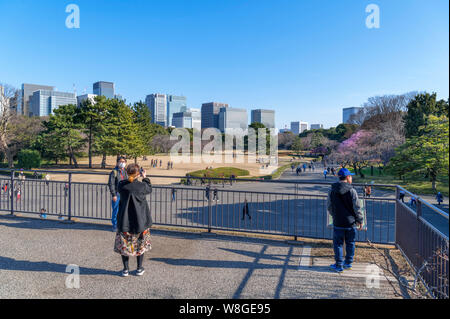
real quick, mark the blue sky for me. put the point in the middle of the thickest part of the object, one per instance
(305, 59)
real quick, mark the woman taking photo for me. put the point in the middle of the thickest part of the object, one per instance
(133, 219)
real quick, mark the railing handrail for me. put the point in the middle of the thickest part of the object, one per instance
(261, 180)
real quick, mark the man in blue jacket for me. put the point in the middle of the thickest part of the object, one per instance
(344, 207)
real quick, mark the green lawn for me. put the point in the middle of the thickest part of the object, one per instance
(419, 186)
(224, 172)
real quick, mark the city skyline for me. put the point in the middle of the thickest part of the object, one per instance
(295, 57)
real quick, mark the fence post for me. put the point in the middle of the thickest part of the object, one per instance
(11, 190)
(209, 208)
(70, 197)
(396, 207)
(418, 215)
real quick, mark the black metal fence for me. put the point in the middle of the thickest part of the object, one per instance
(424, 246)
(288, 212)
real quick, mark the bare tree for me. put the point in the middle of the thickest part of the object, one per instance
(7, 94)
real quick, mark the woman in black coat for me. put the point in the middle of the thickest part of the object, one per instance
(133, 219)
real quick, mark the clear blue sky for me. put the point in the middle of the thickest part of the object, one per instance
(305, 59)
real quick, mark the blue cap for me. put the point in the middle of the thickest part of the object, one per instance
(343, 172)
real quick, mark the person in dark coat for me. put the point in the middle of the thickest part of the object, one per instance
(134, 219)
(117, 175)
(343, 205)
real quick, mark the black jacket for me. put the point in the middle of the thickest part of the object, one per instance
(114, 178)
(343, 205)
(134, 214)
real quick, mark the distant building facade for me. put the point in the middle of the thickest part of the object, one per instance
(232, 118)
(298, 127)
(316, 126)
(175, 104)
(104, 88)
(157, 104)
(82, 98)
(210, 114)
(190, 118)
(43, 102)
(27, 90)
(266, 117)
(347, 114)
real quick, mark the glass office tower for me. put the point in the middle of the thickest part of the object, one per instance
(104, 88)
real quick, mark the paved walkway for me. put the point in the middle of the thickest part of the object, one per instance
(35, 254)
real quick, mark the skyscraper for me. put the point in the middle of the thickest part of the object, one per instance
(316, 126)
(23, 105)
(187, 119)
(347, 113)
(175, 104)
(43, 102)
(266, 117)
(157, 103)
(104, 88)
(210, 114)
(298, 127)
(232, 118)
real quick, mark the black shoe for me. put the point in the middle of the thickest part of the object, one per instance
(140, 272)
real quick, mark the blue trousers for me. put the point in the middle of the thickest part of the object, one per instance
(339, 236)
(115, 209)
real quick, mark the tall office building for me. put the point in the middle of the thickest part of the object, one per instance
(348, 112)
(43, 102)
(175, 104)
(210, 114)
(298, 127)
(104, 88)
(23, 105)
(157, 103)
(232, 118)
(266, 117)
(190, 118)
(316, 126)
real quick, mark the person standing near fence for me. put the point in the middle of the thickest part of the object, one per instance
(134, 219)
(439, 198)
(173, 194)
(117, 175)
(343, 205)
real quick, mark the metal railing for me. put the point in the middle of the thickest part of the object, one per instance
(212, 207)
(424, 245)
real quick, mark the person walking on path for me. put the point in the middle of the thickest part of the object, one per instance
(134, 219)
(304, 167)
(215, 196)
(47, 179)
(439, 198)
(173, 194)
(246, 211)
(117, 175)
(292, 168)
(412, 201)
(343, 205)
(207, 191)
(368, 190)
(325, 172)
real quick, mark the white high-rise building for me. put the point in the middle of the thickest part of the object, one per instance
(157, 103)
(232, 118)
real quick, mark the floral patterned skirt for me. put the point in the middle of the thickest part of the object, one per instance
(133, 245)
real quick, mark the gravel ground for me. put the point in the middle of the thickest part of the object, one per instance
(35, 254)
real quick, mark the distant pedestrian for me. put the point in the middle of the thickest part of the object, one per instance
(304, 167)
(368, 190)
(310, 167)
(160, 163)
(298, 170)
(207, 192)
(413, 201)
(66, 189)
(215, 195)
(401, 196)
(43, 213)
(171, 165)
(47, 179)
(439, 198)
(134, 219)
(325, 172)
(35, 175)
(343, 206)
(117, 175)
(246, 211)
(292, 167)
(328, 170)
(173, 194)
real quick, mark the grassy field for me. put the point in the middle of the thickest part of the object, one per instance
(419, 186)
(220, 172)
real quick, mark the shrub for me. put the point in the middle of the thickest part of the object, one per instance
(28, 159)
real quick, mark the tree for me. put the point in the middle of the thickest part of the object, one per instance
(92, 117)
(419, 109)
(297, 145)
(7, 92)
(22, 132)
(63, 133)
(425, 154)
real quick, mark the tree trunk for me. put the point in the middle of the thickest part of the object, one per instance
(104, 160)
